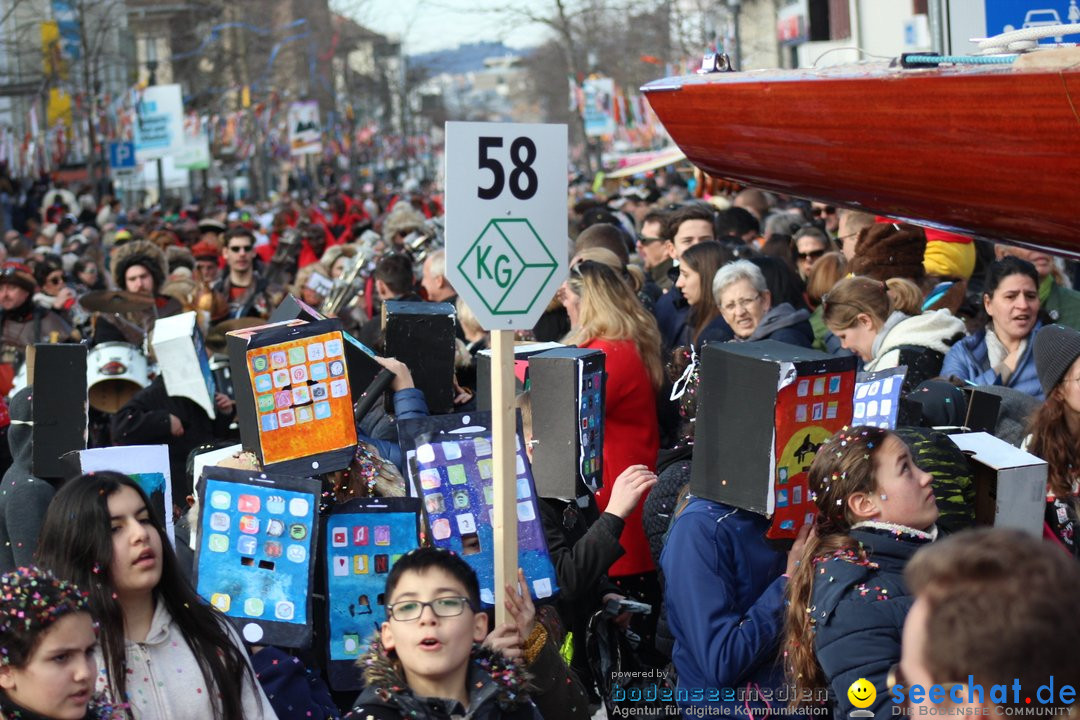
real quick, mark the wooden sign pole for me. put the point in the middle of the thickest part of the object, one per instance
(504, 450)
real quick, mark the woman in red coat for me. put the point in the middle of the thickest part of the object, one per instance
(606, 315)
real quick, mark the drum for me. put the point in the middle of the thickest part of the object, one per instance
(114, 373)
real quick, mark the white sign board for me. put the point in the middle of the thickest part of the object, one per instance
(506, 243)
(147, 464)
(159, 122)
(305, 131)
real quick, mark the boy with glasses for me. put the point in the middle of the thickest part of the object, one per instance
(426, 661)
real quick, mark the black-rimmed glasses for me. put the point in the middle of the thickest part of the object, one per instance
(409, 610)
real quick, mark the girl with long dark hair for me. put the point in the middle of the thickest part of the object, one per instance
(846, 598)
(162, 646)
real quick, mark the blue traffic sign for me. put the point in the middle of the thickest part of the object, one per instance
(122, 155)
(1008, 15)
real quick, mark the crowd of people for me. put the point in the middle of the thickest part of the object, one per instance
(889, 589)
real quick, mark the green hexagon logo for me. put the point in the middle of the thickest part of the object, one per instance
(507, 256)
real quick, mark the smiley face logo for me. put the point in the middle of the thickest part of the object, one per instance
(862, 693)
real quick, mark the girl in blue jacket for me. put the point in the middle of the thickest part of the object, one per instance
(847, 598)
(1000, 353)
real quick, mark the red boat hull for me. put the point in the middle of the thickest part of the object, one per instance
(988, 152)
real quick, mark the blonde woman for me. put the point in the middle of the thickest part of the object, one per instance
(605, 314)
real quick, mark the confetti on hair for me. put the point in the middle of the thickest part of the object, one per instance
(31, 600)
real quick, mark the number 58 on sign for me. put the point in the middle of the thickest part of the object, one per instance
(506, 215)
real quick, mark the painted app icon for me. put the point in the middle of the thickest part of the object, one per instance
(298, 374)
(461, 500)
(259, 363)
(360, 535)
(296, 553)
(275, 504)
(272, 549)
(341, 565)
(282, 399)
(319, 391)
(298, 531)
(219, 521)
(277, 359)
(382, 534)
(281, 378)
(266, 403)
(351, 643)
(299, 507)
(268, 422)
(221, 601)
(220, 499)
(451, 450)
(275, 528)
(284, 610)
(248, 504)
(301, 395)
(429, 479)
(334, 348)
(253, 607)
(287, 418)
(249, 524)
(217, 543)
(339, 388)
(456, 473)
(360, 565)
(318, 371)
(484, 468)
(297, 355)
(440, 529)
(304, 414)
(434, 504)
(245, 545)
(263, 383)
(315, 351)
(337, 368)
(322, 410)
(466, 523)
(339, 537)
(525, 512)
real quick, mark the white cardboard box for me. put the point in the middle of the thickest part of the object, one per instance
(1010, 484)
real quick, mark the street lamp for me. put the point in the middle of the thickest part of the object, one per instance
(151, 68)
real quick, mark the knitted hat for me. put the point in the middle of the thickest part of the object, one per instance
(949, 255)
(203, 250)
(31, 600)
(19, 275)
(1056, 348)
(888, 250)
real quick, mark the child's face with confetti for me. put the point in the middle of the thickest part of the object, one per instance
(904, 494)
(136, 562)
(58, 679)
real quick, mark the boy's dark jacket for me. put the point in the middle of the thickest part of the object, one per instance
(497, 691)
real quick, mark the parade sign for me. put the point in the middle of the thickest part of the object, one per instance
(159, 122)
(506, 241)
(305, 131)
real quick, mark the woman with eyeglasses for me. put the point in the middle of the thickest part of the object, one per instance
(697, 268)
(606, 315)
(882, 323)
(1055, 432)
(746, 304)
(163, 649)
(807, 246)
(846, 597)
(1000, 353)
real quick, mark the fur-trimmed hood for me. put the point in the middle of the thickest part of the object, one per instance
(139, 252)
(497, 685)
